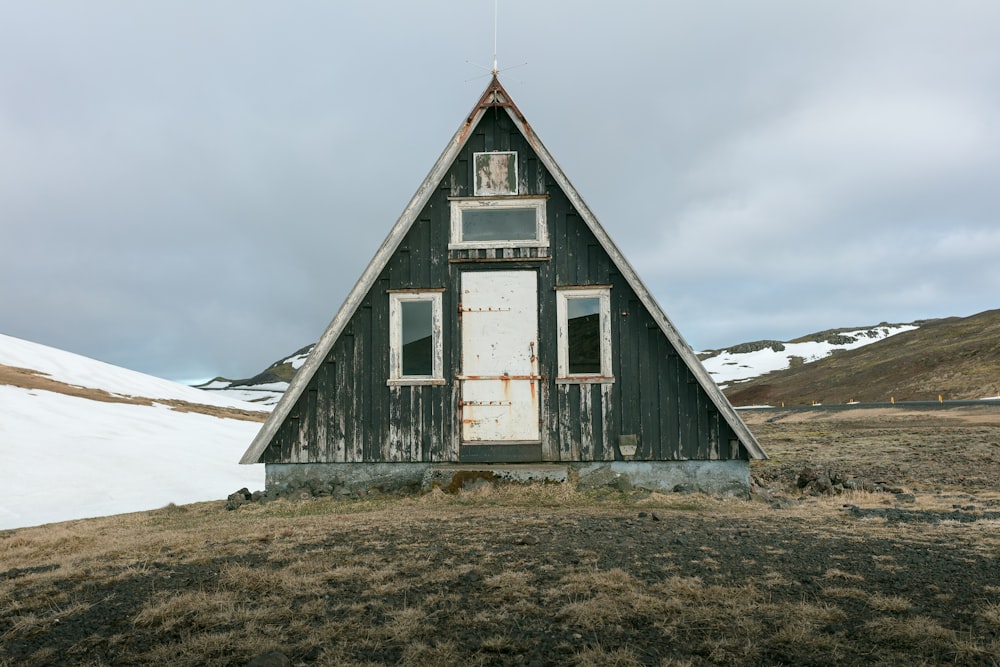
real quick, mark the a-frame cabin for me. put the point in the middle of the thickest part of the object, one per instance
(498, 323)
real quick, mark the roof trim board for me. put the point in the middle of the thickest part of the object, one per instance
(494, 96)
(315, 359)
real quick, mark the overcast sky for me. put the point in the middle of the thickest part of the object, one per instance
(190, 189)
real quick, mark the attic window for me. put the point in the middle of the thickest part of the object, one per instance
(495, 173)
(584, 334)
(415, 348)
(502, 222)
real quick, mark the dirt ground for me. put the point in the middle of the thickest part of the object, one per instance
(549, 576)
(923, 449)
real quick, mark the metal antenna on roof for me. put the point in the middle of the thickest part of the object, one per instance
(496, 70)
(496, 10)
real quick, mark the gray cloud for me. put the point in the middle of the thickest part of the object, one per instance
(192, 189)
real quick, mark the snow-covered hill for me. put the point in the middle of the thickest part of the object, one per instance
(82, 438)
(264, 389)
(749, 360)
(729, 366)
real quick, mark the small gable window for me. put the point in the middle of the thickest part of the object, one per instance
(584, 334)
(415, 346)
(503, 222)
(495, 173)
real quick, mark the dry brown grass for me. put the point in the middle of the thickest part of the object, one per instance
(953, 450)
(958, 358)
(26, 378)
(442, 579)
(891, 603)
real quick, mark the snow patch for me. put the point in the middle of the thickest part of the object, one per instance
(66, 457)
(733, 367)
(86, 372)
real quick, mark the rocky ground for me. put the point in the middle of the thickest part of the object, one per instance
(549, 576)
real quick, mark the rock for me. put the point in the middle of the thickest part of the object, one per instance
(806, 477)
(757, 346)
(241, 497)
(822, 485)
(781, 502)
(855, 484)
(270, 659)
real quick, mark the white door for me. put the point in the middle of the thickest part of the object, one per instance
(499, 357)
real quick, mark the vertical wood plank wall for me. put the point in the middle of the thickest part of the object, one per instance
(349, 414)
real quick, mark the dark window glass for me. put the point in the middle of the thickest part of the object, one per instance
(418, 337)
(499, 224)
(584, 335)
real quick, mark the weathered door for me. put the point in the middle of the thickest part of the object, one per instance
(499, 376)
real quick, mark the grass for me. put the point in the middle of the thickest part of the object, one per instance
(956, 358)
(313, 593)
(454, 580)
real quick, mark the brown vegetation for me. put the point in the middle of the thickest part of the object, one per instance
(955, 358)
(37, 381)
(546, 575)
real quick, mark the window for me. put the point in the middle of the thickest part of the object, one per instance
(494, 173)
(415, 348)
(506, 222)
(584, 315)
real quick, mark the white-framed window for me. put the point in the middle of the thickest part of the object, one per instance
(415, 347)
(501, 222)
(584, 334)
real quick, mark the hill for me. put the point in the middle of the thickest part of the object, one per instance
(957, 358)
(265, 388)
(733, 364)
(953, 357)
(82, 438)
(746, 361)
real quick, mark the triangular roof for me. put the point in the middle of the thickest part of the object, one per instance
(495, 96)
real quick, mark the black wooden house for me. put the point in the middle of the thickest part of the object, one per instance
(498, 323)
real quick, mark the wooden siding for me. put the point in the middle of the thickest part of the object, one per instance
(349, 414)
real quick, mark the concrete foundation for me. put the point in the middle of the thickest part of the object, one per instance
(731, 478)
(343, 477)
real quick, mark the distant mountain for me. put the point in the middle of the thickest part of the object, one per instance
(265, 388)
(81, 438)
(955, 358)
(740, 363)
